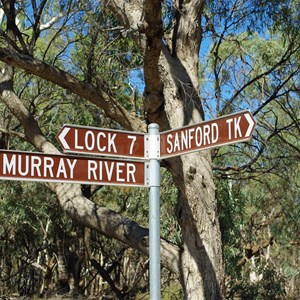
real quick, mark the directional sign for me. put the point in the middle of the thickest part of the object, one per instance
(225, 130)
(98, 141)
(71, 169)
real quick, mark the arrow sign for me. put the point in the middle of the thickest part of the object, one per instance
(225, 130)
(70, 169)
(99, 141)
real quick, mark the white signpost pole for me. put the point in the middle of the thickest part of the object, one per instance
(153, 153)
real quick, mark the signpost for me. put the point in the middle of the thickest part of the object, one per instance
(70, 169)
(222, 131)
(153, 154)
(147, 149)
(98, 141)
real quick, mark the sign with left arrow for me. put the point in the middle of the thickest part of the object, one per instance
(99, 141)
(32, 166)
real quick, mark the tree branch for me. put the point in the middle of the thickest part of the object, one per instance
(55, 75)
(153, 94)
(81, 209)
(10, 13)
(188, 36)
(285, 57)
(15, 133)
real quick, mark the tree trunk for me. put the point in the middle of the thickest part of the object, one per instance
(62, 284)
(201, 261)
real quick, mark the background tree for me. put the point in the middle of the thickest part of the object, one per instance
(69, 61)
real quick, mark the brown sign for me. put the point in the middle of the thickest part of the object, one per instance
(70, 169)
(98, 141)
(225, 130)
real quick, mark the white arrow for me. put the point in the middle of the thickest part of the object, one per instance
(61, 138)
(251, 124)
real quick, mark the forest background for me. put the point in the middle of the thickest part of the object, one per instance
(230, 216)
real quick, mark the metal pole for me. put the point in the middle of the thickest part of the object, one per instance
(154, 210)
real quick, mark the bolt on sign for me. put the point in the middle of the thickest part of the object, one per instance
(99, 141)
(70, 169)
(225, 130)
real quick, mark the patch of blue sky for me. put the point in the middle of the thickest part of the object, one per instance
(136, 79)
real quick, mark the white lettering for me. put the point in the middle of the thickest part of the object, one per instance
(133, 139)
(198, 136)
(237, 129)
(72, 166)
(176, 143)
(35, 165)
(26, 169)
(103, 142)
(111, 143)
(101, 149)
(191, 136)
(9, 166)
(61, 169)
(48, 165)
(100, 171)
(89, 140)
(229, 121)
(92, 166)
(76, 146)
(109, 169)
(130, 172)
(120, 171)
(206, 131)
(214, 133)
(169, 141)
(184, 139)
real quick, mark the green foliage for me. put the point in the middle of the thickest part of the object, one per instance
(134, 203)
(257, 182)
(25, 210)
(262, 214)
(231, 213)
(269, 288)
(171, 292)
(282, 15)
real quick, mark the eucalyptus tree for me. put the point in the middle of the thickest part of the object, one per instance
(189, 63)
